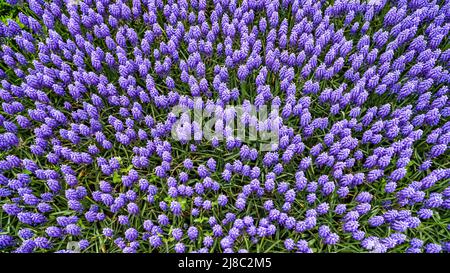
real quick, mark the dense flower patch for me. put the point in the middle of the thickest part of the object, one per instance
(88, 156)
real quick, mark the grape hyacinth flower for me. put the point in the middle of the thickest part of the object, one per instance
(221, 125)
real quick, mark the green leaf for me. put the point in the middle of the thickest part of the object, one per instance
(436, 216)
(182, 202)
(127, 169)
(152, 178)
(117, 178)
(200, 220)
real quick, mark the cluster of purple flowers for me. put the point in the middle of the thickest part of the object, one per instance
(87, 87)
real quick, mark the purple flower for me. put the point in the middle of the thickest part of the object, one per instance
(192, 233)
(131, 234)
(78, 107)
(6, 241)
(155, 241)
(433, 248)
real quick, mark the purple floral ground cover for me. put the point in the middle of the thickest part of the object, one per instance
(121, 126)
